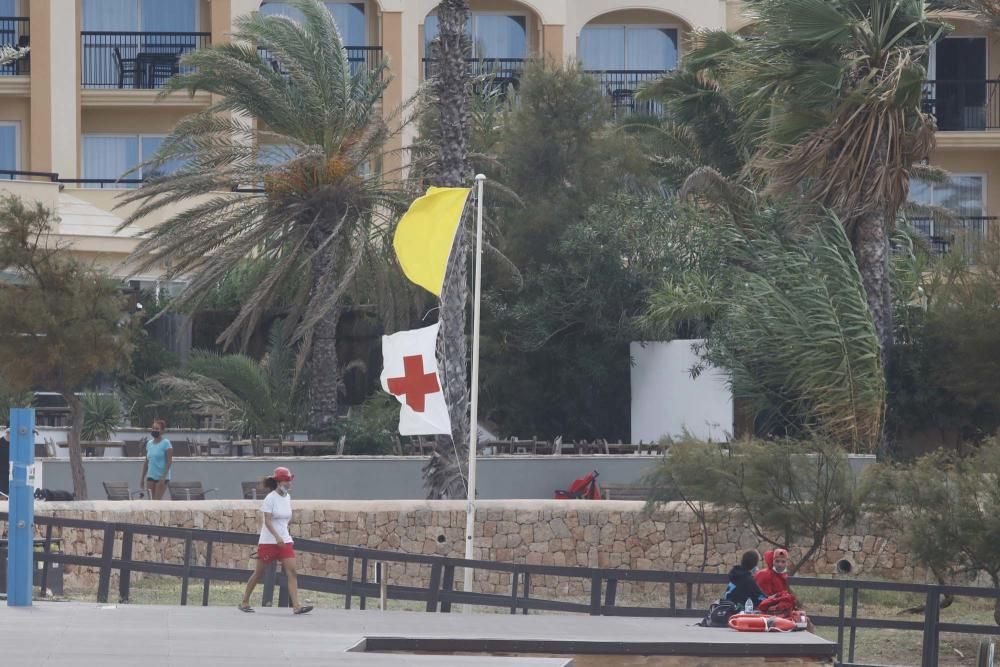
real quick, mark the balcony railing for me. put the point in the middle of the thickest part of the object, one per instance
(945, 235)
(503, 70)
(621, 86)
(359, 58)
(98, 183)
(500, 74)
(135, 59)
(963, 106)
(14, 32)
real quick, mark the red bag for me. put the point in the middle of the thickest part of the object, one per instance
(780, 604)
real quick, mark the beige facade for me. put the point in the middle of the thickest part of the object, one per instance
(86, 102)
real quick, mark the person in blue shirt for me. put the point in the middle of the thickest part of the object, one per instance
(159, 458)
(742, 586)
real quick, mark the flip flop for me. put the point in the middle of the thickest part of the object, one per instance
(303, 610)
(245, 608)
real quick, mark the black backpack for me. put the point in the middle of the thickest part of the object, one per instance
(719, 613)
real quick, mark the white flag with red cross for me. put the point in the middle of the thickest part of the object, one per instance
(409, 372)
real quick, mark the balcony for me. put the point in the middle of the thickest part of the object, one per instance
(945, 235)
(621, 86)
(963, 106)
(359, 58)
(135, 60)
(496, 72)
(14, 32)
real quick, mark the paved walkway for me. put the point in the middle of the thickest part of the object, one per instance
(85, 635)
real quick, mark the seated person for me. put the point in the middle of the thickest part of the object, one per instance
(742, 586)
(774, 578)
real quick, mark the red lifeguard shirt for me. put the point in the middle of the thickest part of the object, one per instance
(769, 581)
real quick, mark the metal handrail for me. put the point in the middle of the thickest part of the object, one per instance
(13, 174)
(963, 105)
(946, 234)
(15, 31)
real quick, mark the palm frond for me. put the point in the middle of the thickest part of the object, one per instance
(323, 202)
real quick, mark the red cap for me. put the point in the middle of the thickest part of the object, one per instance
(780, 552)
(282, 474)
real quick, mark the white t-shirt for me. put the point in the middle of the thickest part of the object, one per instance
(280, 508)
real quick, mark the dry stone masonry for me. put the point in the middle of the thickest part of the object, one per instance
(607, 534)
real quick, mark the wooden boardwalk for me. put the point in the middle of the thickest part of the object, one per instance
(85, 635)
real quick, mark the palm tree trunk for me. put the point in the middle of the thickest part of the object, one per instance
(444, 475)
(452, 93)
(75, 452)
(324, 368)
(871, 251)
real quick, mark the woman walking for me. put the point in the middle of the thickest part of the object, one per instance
(275, 543)
(159, 459)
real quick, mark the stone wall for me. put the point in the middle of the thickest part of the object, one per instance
(615, 534)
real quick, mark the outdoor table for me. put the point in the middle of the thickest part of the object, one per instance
(299, 446)
(92, 447)
(621, 448)
(238, 446)
(151, 65)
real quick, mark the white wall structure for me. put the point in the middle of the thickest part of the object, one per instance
(666, 400)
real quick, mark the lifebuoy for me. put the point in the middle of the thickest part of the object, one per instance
(760, 623)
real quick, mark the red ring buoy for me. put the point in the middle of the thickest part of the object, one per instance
(760, 623)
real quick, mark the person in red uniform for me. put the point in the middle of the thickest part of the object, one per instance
(774, 578)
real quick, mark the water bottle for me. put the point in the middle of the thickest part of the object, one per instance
(748, 607)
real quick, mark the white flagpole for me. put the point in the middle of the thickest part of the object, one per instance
(470, 503)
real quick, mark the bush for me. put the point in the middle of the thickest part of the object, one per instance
(371, 429)
(102, 414)
(785, 490)
(948, 510)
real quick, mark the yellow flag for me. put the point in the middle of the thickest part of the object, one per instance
(426, 233)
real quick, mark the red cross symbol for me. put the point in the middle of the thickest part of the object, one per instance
(416, 384)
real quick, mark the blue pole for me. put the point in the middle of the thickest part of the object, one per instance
(21, 525)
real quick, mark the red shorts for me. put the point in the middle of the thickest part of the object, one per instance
(268, 553)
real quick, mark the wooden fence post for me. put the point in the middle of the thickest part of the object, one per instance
(125, 573)
(107, 555)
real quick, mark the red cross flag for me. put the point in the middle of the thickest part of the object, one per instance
(410, 374)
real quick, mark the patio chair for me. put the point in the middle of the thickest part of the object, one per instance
(120, 491)
(188, 491)
(126, 68)
(135, 449)
(267, 446)
(181, 448)
(253, 490)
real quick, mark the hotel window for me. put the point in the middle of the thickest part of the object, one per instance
(963, 196)
(129, 33)
(492, 35)
(628, 47)
(10, 145)
(111, 156)
(140, 15)
(349, 17)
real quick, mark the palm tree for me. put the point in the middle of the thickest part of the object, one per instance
(253, 397)
(987, 11)
(9, 54)
(785, 316)
(829, 93)
(294, 122)
(444, 474)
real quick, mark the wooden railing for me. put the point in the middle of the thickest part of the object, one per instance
(439, 595)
